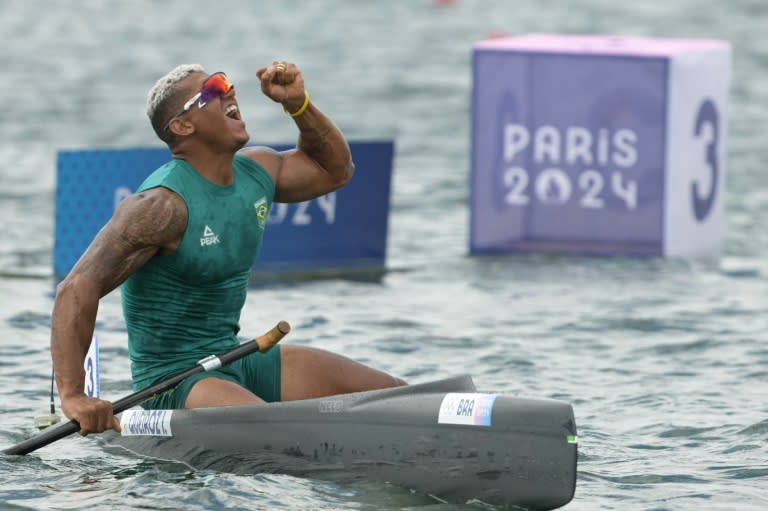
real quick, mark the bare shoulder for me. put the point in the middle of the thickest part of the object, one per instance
(270, 159)
(155, 217)
(143, 225)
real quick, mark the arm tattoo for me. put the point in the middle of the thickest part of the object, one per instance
(322, 143)
(314, 141)
(140, 229)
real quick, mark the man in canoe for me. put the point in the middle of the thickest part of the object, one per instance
(182, 249)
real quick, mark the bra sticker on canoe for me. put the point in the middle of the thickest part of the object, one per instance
(146, 423)
(470, 409)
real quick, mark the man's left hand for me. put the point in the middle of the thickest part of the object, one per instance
(283, 83)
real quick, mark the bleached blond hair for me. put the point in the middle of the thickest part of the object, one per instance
(162, 98)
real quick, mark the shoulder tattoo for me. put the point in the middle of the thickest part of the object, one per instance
(142, 226)
(154, 218)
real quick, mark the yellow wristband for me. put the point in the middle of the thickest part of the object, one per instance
(303, 107)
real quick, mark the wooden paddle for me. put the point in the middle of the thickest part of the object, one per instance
(263, 343)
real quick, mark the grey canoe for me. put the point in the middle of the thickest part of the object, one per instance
(442, 438)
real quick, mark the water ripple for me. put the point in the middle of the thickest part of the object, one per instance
(663, 359)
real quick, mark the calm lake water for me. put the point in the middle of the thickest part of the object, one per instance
(664, 360)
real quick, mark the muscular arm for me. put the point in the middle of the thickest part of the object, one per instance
(143, 225)
(321, 162)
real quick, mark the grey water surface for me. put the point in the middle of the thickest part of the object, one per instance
(664, 360)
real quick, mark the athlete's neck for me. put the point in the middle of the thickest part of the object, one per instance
(215, 167)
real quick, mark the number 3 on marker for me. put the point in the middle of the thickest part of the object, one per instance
(707, 115)
(91, 365)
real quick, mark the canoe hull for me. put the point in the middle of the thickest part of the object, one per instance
(521, 452)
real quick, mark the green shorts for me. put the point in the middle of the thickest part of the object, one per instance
(258, 372)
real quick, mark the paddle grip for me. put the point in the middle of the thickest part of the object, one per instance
(272, 337)
(261, 343)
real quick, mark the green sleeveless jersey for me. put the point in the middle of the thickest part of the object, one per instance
(186, 305)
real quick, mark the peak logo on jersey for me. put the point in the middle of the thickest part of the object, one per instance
(262, 210)
(209, 237)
